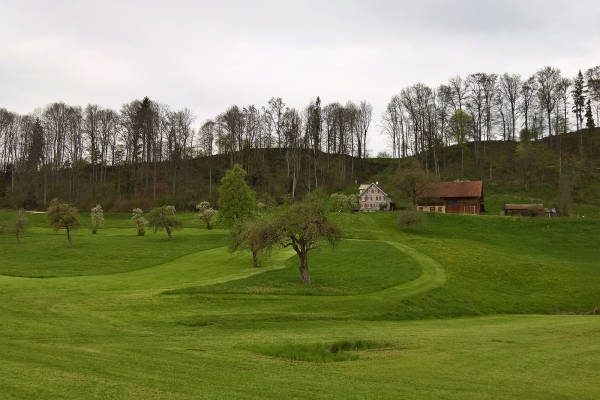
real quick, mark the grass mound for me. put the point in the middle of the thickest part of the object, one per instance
(319, 352)
(354, 267)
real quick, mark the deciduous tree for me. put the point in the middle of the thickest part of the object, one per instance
(257, 236)
(302, 227)
(237, 202)
(205, 213)
(97, 216)
(138, 221)
(63, 215)
(164, 218)
(20, 224)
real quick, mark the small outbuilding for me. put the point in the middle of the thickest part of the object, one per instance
(373, 198)
(524, 210)
(452, 198)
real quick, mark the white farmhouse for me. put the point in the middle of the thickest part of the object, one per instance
(373, 198)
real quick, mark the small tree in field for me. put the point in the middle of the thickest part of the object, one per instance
(410, 219)
(257, 236)
(163, 218)
(97, 216)
(302, 227)
(205, 213)
(63, 215)
(138, 221)
(20, 224)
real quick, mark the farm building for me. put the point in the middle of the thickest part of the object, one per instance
(452, 198)
(373, 198)
(529, 210)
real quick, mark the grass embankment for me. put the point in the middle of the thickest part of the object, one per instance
(120, 336)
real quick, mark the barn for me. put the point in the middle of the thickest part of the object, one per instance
(452, 198)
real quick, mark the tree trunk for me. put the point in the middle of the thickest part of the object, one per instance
(69, 237)
(169, 233)
(18, 242)
(304, 269)
(255, 259)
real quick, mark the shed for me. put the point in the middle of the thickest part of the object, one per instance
(524, 210)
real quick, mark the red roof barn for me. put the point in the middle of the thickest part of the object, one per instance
(453, 198)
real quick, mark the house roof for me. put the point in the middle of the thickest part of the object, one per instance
(454, 189)
(539, 207)
(364, 187)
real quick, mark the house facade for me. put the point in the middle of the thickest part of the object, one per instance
(452, 198)
(373, 198)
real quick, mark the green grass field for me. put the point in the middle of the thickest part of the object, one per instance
(465, 307)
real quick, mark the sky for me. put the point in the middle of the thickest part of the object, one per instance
(208, 56)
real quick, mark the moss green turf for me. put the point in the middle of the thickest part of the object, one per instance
(464, 306)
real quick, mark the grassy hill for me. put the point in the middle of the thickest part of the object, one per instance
(464, 307)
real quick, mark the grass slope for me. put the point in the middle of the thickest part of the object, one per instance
(116, 334)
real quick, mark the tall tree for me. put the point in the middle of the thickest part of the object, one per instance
(237, 202)
(578, 95)
(548, 79)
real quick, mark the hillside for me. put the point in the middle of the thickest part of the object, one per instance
(521, 170)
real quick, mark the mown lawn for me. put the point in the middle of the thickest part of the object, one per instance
(441, 309)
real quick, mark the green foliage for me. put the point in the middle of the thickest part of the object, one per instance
(160, 218)
(302, 227)
(63, 216)
(460, 126)
(138, 221)
(258, 236)
(411, 219)
(97, 216)
(205, 213)
(589, 116)
(237, 202)
(20, 224)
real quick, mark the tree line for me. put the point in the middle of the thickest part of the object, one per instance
(421, 120)
(148, 150)
(146, 147)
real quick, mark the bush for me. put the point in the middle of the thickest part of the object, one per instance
(411, 219)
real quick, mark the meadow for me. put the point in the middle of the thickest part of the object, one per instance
(464, 307)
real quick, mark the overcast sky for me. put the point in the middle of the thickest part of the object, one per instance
(208, 56)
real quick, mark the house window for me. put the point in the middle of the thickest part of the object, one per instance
(420, 208)
(432, 209)
(440, 209)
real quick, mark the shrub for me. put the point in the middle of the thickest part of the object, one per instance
(411, 219)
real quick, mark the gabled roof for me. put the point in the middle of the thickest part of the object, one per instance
(454, 189)
(364, 187)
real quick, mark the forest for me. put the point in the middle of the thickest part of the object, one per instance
(504, 129)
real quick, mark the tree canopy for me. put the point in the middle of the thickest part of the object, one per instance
(20, 224)
(164, 218)
(63, 215)
(302, 227)
(237, 202)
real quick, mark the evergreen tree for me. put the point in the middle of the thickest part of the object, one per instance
(578, 95)
(589, 123)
